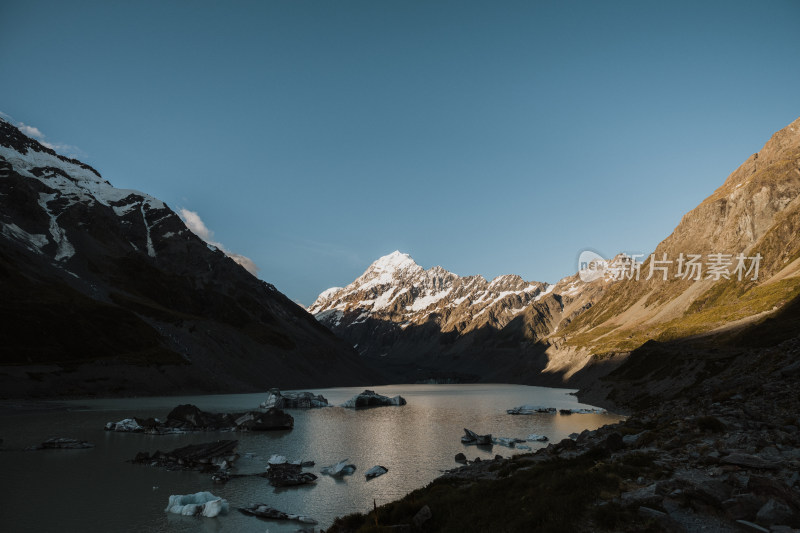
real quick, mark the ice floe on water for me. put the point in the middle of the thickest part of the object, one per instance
(200, 503)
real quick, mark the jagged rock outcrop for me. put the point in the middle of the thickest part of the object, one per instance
(106, 291)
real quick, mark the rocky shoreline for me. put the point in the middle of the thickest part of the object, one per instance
(715, 449)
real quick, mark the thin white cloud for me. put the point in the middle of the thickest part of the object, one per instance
(66, 149)
(244, 261)
(30, 131)
(196, 224)
(199, 228)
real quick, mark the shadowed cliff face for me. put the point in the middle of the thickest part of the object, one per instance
(107, 292)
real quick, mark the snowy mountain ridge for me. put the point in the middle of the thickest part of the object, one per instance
(106, 291)
(420, 325)
(395, 287)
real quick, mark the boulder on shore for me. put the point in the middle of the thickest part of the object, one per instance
(370, 398)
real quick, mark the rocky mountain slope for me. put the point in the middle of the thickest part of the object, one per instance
(732, 261)
(756, 212)
(106, 291)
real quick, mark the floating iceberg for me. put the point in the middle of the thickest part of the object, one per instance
(538, 438)
(293, 400)
(375, 471)
(201, 503)
(62, 443)
(277, 460)
(189, 417)
(128, 425)
(370, 398)
(288, 475)
(530, 409)
(505, 441)
(583, 411)
(217, 455)
(339, 469)
(262, 510)
(470, 437)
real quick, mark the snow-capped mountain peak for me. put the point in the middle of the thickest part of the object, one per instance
(396, 290)
(386, 269)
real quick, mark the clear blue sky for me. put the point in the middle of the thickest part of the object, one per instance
(487, 137)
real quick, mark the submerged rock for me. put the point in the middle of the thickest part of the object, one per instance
(201, 503)
(470, 437)
(62, 443)
(293, 400)
(370, 398)
(375, 471)
(262, 510)
(537, 438)
(340, 469)
(210, 456)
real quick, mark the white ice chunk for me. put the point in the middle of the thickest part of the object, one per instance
(339, 469)
(201, 503)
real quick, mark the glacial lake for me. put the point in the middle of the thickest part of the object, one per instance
(97, 490)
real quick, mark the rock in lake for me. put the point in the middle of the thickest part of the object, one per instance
(375, 471)
(262, 510)
(189, 417)
(62, 443)
(210, 456)
(370, 398)
(293, 400)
